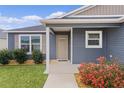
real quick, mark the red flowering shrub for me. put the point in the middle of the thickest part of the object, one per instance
(101, 60)
(101, 75)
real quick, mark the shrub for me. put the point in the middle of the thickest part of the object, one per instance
(4, 56)
(37, 56)
(96, 75)
(101, 60)
(121, 66)
(10, 55)
(20, 55)
(108, 62)
(101, 75)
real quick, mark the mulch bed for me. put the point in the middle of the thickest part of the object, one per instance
(28, 62)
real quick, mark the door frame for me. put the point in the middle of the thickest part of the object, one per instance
(57, 37)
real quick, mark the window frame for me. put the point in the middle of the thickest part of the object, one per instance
(30, 42)
(87, 38)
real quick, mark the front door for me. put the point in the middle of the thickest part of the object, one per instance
(62, 47)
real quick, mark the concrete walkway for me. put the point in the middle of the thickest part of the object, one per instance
(62, 76)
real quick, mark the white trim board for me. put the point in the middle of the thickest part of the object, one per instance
(47, 49)
(74, 21)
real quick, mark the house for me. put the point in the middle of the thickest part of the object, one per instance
(3, 40)
(29, 38)
(86, 33)
(78, 36)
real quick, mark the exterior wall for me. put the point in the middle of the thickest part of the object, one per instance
(82, 54)
(11, 41)
(52, 46)
(3, 43)
(104, 10)
(115, 44)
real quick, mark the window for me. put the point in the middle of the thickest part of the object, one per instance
(35, 42)
(25, 44)
(30, 42)
(93, 39)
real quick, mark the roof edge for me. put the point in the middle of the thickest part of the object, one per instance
(24, 31)
(68, 21)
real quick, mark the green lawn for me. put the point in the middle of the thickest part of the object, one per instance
(22, 76)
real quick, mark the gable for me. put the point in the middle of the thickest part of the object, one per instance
(104, 10)
(83, 8)
(96, 10)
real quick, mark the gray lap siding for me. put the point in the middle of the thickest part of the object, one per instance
(11, 41)
(52, 46)
(115, 44)
(82, 54)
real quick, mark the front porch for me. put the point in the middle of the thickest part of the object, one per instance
(78, 52)
(62, 67)
(58, 47)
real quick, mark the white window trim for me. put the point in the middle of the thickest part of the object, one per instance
(30, 41)
(93, 46)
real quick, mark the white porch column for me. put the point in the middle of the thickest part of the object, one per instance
(47, 49)
(71, 59)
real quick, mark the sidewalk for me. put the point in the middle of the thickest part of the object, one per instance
(61, 81)
(61, 76)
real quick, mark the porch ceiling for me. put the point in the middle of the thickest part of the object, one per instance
(61, 28)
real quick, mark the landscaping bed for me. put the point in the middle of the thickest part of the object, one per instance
(20, 56)
(122, 67)
(22, 76)
(100, 75)
(80, 84)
